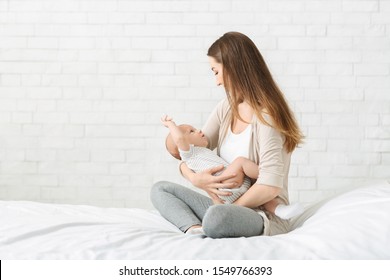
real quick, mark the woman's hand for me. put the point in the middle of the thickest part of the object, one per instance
(216, 200)
(211, 184)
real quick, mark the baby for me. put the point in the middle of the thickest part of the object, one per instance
(188, 144)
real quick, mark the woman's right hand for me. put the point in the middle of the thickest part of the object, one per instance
(211, 184)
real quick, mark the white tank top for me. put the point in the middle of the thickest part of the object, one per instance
(236, 145)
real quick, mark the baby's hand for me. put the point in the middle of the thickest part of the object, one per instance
(166, 120)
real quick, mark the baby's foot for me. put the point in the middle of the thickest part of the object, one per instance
(288, 211)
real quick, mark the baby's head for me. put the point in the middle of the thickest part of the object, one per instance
(192, 135)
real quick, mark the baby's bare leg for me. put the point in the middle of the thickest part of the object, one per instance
(242, 182)
(250, 168)
(242, 166)
(235, 168)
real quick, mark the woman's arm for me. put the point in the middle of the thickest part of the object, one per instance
(270, 181)
(258, 195)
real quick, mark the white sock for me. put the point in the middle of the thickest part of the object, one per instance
(288, 211)
(197, 230)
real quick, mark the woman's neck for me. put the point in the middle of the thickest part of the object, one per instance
(246, 113)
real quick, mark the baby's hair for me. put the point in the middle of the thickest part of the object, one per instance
(172, 147)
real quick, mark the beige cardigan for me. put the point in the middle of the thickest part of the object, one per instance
(266, 149)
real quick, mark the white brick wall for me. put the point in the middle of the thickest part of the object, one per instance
(84, 82)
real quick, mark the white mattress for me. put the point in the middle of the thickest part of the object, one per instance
(354, 225)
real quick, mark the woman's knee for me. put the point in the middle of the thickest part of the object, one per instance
(223, 221)
(161, 189)
(215, 221)
(157, 189)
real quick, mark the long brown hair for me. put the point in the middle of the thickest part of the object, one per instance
(247, 78)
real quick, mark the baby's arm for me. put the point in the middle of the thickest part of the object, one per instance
(177, 134)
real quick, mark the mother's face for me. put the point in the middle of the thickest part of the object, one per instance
(217, 70)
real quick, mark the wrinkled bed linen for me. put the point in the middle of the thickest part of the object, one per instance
(353, 225)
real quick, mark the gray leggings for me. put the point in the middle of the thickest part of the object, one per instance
(184, 208)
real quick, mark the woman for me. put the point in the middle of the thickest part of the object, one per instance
(255, 122)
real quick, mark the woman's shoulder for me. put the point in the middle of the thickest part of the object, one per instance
(266, 118)
(224, 103)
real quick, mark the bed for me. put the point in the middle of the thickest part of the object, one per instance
(352, 225)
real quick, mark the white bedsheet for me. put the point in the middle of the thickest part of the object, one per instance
(354, 225)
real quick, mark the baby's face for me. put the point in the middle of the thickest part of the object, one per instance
(194, 136)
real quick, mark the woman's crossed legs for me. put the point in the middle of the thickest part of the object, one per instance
(185, 208)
